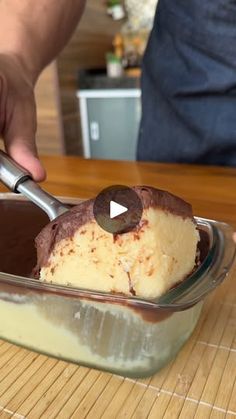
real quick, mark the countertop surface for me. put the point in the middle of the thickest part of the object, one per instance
(99, 80)
(199, 383)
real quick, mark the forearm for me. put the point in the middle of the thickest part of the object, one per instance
(36, 31)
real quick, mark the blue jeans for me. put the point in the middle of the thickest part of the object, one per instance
(189, 84)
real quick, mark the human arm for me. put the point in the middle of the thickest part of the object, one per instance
(31, 35)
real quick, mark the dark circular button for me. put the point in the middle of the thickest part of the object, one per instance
(117, 209)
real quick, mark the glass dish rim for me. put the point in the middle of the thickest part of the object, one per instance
(97, 296)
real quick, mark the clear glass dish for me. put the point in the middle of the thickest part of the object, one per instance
(127, 336)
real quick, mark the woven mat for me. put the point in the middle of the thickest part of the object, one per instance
(199, 383)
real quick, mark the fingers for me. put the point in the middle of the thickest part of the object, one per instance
(22, 154)
(234, 237)
(19, 136)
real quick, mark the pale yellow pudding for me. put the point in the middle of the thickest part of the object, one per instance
(147, 261)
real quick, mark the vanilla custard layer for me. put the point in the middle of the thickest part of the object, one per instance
(145, 263)
(122, 343)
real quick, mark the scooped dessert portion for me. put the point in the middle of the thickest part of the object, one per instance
(73, 250)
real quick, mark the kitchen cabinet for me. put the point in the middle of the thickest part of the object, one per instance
(110, 122)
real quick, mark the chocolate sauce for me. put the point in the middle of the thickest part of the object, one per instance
(20, 222)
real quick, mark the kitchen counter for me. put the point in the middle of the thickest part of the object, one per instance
(200, 382)
(98, 79)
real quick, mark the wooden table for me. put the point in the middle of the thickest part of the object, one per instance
(200, 382)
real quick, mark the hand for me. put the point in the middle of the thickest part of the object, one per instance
(18, 115)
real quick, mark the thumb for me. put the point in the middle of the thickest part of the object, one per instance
(21, 151)
(19, 137)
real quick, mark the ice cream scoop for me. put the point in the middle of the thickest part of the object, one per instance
(19, 180)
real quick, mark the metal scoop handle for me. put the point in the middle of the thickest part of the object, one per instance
(18, 179)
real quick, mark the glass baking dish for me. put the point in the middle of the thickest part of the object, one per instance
(124, 335)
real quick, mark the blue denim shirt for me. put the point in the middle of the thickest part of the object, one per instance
(189, 84)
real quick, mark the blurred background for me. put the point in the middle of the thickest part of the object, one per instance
(89, 99)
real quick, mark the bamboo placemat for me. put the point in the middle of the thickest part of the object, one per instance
(199, 383)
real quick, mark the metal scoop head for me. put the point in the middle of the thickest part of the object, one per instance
(19, 180)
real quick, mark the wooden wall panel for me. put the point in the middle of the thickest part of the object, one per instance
(49, 131)
(91, 40)
(87, 49)
(58, 116)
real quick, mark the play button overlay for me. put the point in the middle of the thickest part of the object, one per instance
(117, 209)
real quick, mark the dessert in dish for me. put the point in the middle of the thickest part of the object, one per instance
(124, 336)
(157, 254)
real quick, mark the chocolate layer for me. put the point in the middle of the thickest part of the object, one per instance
(20, 222)
(157, 198)
(66, 225)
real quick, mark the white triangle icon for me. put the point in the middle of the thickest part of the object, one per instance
(116, 209)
